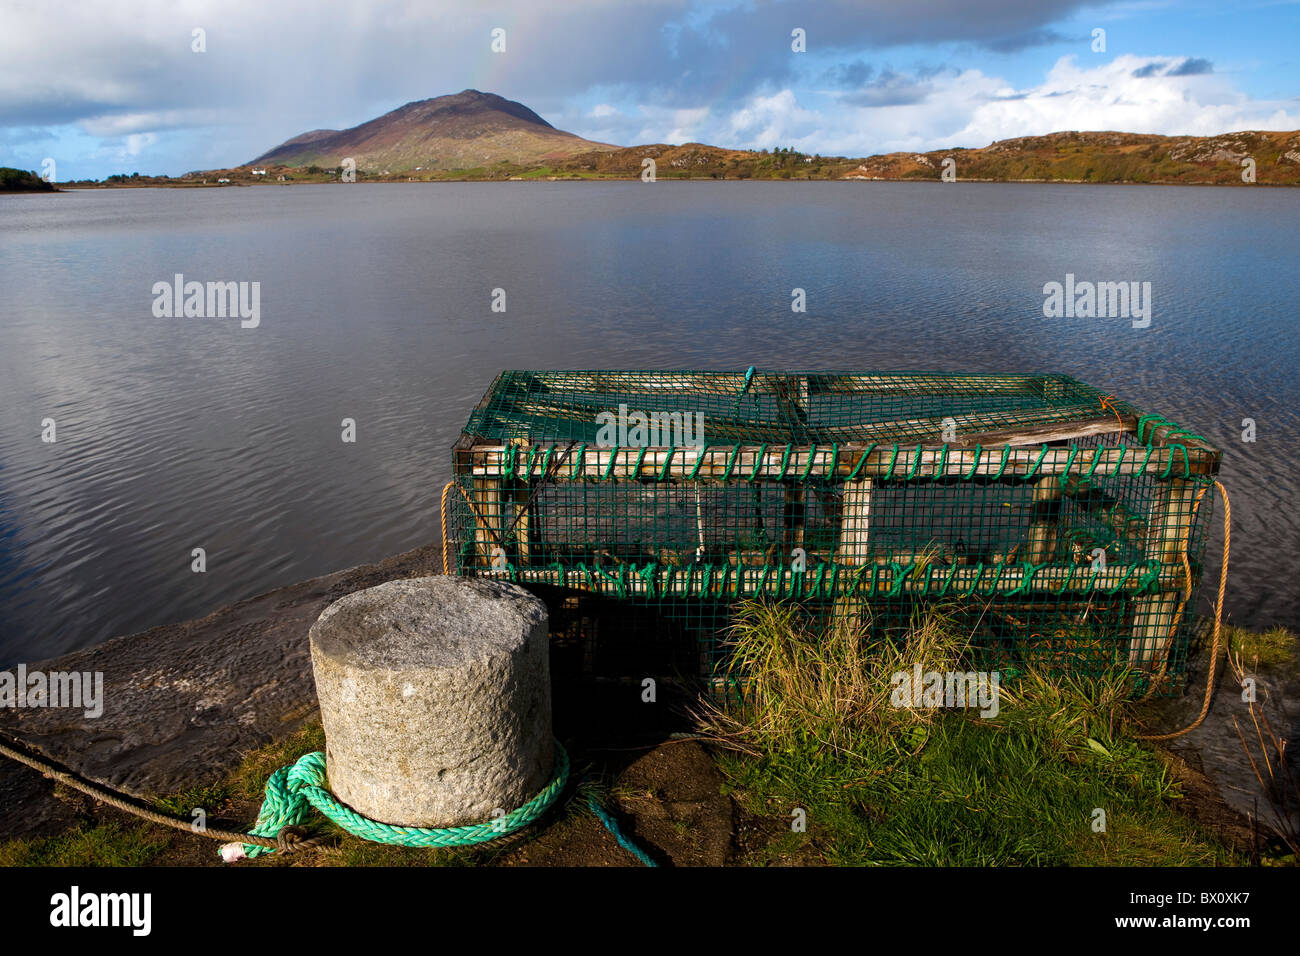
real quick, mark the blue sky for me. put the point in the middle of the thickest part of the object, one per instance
(116, 86)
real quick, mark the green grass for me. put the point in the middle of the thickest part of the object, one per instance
(1268, 648)
(105, 844)
(249, 780)
(895, 785)
(211, 798)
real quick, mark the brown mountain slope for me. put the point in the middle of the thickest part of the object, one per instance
(462, 131)
(1105, 157)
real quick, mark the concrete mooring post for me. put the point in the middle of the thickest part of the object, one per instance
(435, 695)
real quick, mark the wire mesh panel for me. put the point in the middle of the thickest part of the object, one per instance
(1059, 526)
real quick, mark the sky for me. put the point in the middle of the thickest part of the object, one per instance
(88, 89)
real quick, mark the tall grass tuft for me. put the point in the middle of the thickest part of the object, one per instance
(804, 688)
(1052, 779)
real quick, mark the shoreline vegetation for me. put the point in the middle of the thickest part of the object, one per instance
(23, 181)
(1101, 158)
(877, 785)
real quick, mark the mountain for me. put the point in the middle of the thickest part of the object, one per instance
(1105, 157)
(474, 135)
(462, 131)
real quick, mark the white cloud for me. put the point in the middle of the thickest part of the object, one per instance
(970, 108)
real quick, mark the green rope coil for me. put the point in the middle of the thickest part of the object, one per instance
(292, 791)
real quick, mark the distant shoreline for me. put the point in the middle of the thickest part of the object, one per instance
(91, 187)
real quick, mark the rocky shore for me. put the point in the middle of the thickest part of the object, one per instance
(183, 703)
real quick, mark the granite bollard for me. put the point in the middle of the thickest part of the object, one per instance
(435, 696)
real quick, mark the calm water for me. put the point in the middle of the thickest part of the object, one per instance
(375, 305)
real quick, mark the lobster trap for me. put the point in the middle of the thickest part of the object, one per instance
(1061, 527)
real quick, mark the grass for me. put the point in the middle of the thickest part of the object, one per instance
(885, 784)
(249, 780)
(880, 783)
(1264, 648)
(104, 844)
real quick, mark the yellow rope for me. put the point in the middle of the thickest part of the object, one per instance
(1218, 626)
(446, 555)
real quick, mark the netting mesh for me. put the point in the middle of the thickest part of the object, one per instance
(1058, 526)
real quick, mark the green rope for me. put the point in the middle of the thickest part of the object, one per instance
(853, 475)
(1006, 456)
(916, 463)
(812, 454)
(749, 379)
(1096, 460)
(1037, 461)
(1142, 424)
(293, 790)
(758, 462)
(893, 459)
(579, 462)
(943, 463)
(609, 468)
(1064, 477)
(663, 472)
(785, 460)
(699, 460)
(612, 826)
(1115, 470)
(1187, 464)
(731, 461)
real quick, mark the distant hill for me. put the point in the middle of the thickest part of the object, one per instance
(462, 131)
(482, 136)
(20, 181)
(1105, 157)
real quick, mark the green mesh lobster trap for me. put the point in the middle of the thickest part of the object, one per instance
(1063, 527)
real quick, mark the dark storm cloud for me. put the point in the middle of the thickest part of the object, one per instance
(336, 68)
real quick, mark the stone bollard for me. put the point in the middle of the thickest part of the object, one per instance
(435, 695)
